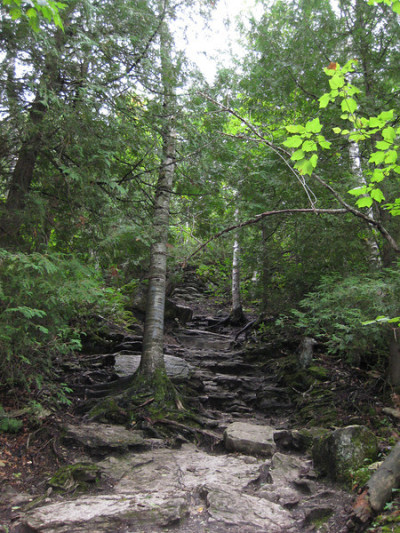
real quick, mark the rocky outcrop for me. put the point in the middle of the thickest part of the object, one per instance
(250, 439)
(343, 451)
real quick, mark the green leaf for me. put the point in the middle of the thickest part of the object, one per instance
(295, 128)
(298, 154)
(337, 130)
(309, 146)
(389, 134)
(383, 145)
(349, 105)
(293, 142)
(31, 13)
(15, 13)
(336, 81)
(325, 144)
(375, 122)
(377, 158)
(324, 100)
(314, 160)
(386, 115)
(305, 167)
(377, 195)
(314, 126)
(391, 157)
(365, 201)
(358, 191)
(378, 175)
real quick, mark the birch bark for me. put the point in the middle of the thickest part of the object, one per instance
(153, 341)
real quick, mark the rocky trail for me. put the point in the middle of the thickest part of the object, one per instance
(248, 472)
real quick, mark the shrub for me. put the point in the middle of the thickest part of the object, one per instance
(335, 313)
(41, 297)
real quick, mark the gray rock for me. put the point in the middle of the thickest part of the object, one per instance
(180, 312)
(227, 507)
(104, 513)
(344, 450)
(105, 438)
(250, 439)
(126, 364)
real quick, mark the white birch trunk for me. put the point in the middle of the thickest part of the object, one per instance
(354, 153)
(152, 359)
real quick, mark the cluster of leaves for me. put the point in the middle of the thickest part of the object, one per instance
(42, 298)
(307, 138)
(335, 312)
(34, 10)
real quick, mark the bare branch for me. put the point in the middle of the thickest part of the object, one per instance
(285, 156)
(261, 216)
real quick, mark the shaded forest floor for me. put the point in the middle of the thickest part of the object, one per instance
(329, 394)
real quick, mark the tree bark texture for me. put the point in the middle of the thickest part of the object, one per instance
(355, 158)
(153, 340)
(394, 359)
(379, 488)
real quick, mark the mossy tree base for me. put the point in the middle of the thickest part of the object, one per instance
(144, 400)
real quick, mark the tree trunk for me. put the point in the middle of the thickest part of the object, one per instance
(237, 316)
(394, 359)
(379, 488)
(153, 341)
(22, 175)
(152, 359)
(355, 158)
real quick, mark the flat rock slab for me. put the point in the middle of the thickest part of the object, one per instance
(165, 488)
(126, 364)
(106, 513)
(103, 437)
(250, 439)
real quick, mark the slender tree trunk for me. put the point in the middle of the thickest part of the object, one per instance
(236, 317)
(152, 355)
(153, 341)
(355, 158)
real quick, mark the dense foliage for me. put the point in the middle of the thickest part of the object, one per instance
(83, 115)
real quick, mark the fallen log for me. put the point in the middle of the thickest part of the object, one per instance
(379, 488)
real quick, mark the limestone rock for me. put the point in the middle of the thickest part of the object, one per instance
(250, 439)
(105, 513)
(181, 312)
(250, 514)
(343, 450)
(102, 438)
(126, 364)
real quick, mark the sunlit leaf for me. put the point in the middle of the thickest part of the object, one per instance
(324, 100)
(377, 195)
(314, 126)
(365, 201)
(298, 154)
(309, 146)
(377, 158)
(358, 191)
(293, 142)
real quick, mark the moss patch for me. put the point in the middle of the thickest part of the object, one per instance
(78, 476)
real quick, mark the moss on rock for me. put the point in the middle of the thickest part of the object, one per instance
(75, 477)
(343, 451)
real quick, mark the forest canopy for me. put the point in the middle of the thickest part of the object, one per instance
(290, 157)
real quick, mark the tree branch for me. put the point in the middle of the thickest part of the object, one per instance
(266, 214)
(285, 156)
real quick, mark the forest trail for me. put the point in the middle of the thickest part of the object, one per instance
(249, 480)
